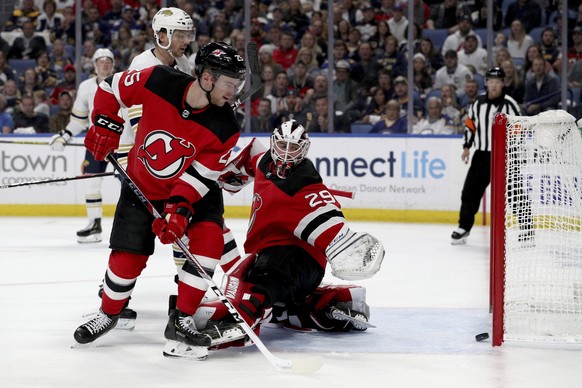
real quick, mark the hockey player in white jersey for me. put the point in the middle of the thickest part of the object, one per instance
(80, 121)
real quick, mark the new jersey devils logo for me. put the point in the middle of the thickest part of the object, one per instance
(257, 203)
(164, 155)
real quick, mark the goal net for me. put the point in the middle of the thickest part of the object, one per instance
(536, 228)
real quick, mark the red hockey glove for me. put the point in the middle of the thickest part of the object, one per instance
(103, 136)
(174, 221)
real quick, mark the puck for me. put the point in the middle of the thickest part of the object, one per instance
(481, 337)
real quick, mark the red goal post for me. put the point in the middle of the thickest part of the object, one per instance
(536, 236)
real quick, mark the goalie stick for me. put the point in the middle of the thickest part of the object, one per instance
(256, 82)
(49, 180)
(305, 365)
(27, 142)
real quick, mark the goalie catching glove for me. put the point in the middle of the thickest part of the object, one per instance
(103, 136)
(174, 220)
(58, 141)
(354, 255)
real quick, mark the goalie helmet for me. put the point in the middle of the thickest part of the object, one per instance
(289, 146)
(171, 19)
(221, 59)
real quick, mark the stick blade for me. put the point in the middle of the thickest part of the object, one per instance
(301, 366)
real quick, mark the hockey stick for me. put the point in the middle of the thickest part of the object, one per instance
(306, 365)
(256, 82)
(49, 180)
(26, 142)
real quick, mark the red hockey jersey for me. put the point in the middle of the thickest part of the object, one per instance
(298, 210)
(178, 151)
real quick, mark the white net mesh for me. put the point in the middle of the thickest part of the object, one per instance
(543, 238)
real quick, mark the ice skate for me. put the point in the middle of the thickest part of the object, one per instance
(459, 236)
(91, 233)
(184, 341)
(223, 332)
(95, 327)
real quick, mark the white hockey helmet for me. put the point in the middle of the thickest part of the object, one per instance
(171, 19)
(289, 146)
(103, 53)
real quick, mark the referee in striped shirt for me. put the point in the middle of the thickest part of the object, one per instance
(478, 125)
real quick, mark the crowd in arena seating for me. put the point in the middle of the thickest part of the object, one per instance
(370, 51)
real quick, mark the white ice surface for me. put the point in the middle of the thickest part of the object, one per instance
(428, 302)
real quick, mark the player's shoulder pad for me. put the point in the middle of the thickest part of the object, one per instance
(220, 120)
(301, 176)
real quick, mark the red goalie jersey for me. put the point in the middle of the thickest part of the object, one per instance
(174, 154)
(298, 210)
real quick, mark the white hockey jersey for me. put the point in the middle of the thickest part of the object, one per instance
(132, 114)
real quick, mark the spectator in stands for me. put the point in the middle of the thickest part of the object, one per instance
(306, 56)
(342, 32)
(345, 91)
(499, 43)
(514, 85)
(386, 10)
(452, 73)
(398, 22)
(266, 58)
(575, 76)
(455, 41)
(28, 45)
(450, 104)
(435, 122)
(421, 13)
(317, 29)
(128, 20)
(122, 40)
(279, 93)
(219, 33)
(29, 83)
(368, 25)
(62, 116)
(416, 36)
(268, 78)
(432, 55)
(365, 71)
(87, 65)
(392, 59)
(377, 40)
(27, 121)
(68, 26)
(528, 12)
(295, 110)
(376, 106)
(6, 72)
(6, 121)
(351, 12)
(274, 34)
(479, 16)
(518, 40)
(401, 96)
(26, 13)
(542, 91)
(12, 95)
(286, 53)
(319, 89)
(113, 16)
(471, 93)
(264, 121)
(320, 118)
(534, 51)
(42, 103)
(277, 18)
(309, 42)
(501, 56)
(550, 50)
(58, 57)
(295, 18)
(50, 20)
(68, 84)
(258, 30)
(447, 15)
(47, 77)
(422, 77)
(96, 28)
(391, 122)
(472, 55)
(299, 79)
(353, 44)
(385, 82)
(340, 51)
(138, 46)
(575, 51)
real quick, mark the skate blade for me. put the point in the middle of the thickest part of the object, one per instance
(175, 349)
(358, 323)
(94, 238)
(125, 324)
(461, 241)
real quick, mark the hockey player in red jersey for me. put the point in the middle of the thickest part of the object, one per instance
(296, 227)
(183, 141)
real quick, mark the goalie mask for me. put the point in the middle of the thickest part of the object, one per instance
(173, 21)
(289, 146)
